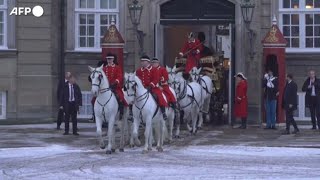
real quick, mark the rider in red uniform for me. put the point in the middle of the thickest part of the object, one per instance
(164, 77)
(115, 78)
(150, 79)
(192, 49)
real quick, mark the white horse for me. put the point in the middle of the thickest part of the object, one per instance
(145, 110)
(105, 109)
(189, 99)
(206, 92)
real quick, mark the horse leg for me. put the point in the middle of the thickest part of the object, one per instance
(99, 132)
(113, 142)
(110, 136)
(122, 131)
(194, 122)
(147, 135)
(200, 120)
(161, 135)
(177, 122)
(171, 123)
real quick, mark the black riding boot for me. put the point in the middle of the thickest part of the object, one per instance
(163, 110)
(121, 110)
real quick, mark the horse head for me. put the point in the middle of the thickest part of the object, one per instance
(178, 83)
(195, 74)
(99, 82)
(172, 73)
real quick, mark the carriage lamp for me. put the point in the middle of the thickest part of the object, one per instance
(247, 9)
(135, 11)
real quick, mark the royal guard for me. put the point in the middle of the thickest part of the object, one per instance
(164, 77)
(150, 79)
(115, 78)
(192, 50)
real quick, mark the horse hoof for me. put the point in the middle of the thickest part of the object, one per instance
(131, 146)
(177, 137)
(102, 147)
(199, 128)
(149, 149)
(121, 150)
(144, 151)
(113, 150)
(160, 149)
(108, 152)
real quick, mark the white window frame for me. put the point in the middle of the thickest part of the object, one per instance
(302, 11)
(4, 8)
(86, 102)
(97, 34)
(3, 96)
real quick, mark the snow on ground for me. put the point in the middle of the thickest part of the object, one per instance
(191, 162)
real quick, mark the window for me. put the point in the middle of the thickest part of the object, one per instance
(85, 111)
(3, 105)
(300, 24)
(93, 17)
(3, 24)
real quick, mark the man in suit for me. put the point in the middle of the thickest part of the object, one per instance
(70, 100)
(312, 99)
(290, 103)
(59, 91)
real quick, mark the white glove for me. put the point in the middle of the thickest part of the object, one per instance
(270, 84)
(266, 76)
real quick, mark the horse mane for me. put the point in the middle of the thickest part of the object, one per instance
(104, 75)
(138, 81)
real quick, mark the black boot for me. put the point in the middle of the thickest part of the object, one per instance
(244, 121)
(163, 110)
(121, 110)
(286, 132)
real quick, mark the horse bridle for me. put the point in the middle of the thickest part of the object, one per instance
(134, 86)
(94, 72)
(196, 76)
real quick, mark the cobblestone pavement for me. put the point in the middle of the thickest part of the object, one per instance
(41, 152)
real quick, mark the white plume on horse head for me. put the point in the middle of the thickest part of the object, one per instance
(90, 69)
(168, 69)
(199, 70)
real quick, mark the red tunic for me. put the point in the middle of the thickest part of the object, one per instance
(150, 78)
(115, 76)
(241, 100)
(194, 54)
(164, 77)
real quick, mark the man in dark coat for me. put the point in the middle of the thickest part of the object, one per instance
(271, 92)
(312, 99)
(70, 100)
(59, 91)
(290, 103)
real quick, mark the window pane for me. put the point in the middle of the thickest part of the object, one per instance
(1, 29)
(90, 19)
(295, 42)
(317, 3)
(83, 3)
(295, 31)
(286, 3)
(317, 18)
(83, 31)
(82, 18)
(104, 19)
(309, 31)
(295, 4)
(103, 30)
(316, 30)
(1, 40)
(91, 42)
(82, 41)
(286, 30)
(91, 30)
(90, 3)
(104, 4)
(309, 18)
(317, 42)
(286, 19)
(1, 16)
(295, 19)
(113, 4)
(289, 42)
(309, 42)
(309, 4)
(1, 2)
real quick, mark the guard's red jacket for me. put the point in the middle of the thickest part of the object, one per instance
(150, 78)
(115, 76)
(164, 77)
(194, 50)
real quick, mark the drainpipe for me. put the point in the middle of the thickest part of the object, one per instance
(62, 40)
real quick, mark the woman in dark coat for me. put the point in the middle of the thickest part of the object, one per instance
(241, 100)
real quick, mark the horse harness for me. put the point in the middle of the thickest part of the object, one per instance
(183, 94)
(200, 81)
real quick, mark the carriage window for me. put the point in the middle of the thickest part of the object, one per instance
(3, 23)
(93, 17)
(3, 105)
